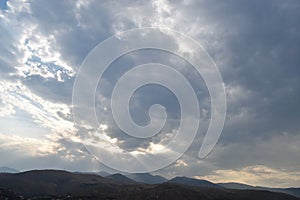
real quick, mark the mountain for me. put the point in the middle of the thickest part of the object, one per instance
(147, 178)
(291, 191)
(103, 174)
(7, 194)
(194, 182)
(56, 184)
(168, 190)
(121, 179)
(239, 186)
(8, 170)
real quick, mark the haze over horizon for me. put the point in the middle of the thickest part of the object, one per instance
(255, 45)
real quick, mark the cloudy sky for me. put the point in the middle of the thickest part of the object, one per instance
(255, 44)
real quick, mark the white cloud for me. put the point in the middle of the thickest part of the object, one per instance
(44, 113)
(49, 40)
(257, 175)
(6, 109)
(26, 146)
(181, 163)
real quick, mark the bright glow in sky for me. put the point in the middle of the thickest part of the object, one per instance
(255, 44)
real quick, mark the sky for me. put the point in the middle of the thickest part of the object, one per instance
(255, 45)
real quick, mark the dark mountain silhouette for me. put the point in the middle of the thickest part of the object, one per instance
(103, 174)
(291, 191)
(147, 178)
(55, 184)
(121, 179)
(166, 191)
(8, 170)
(7, 194)
(240, 186)
(194, 182)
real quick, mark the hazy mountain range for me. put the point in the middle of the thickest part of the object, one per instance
(8, 170)
(56, 184)
(239, 186)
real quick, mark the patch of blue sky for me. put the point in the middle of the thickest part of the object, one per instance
(19, 94)
(21, 124)
(50, 66)
(3, 4)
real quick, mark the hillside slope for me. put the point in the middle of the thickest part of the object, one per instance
(55, 184)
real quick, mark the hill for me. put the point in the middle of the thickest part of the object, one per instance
(194, 182)
(103, 174)
(8, 170)
(239, 186)
(55, 184)
(147, 178)
(121, 179)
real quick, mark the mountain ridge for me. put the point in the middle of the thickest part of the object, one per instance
(240, 186)
(58, 184)
(146, 178)
(194, 182)
(121, 178)
(4, 169)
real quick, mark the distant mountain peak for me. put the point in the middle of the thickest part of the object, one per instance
(120, 178)
(147, 178)
(241, 186)
(103, 174)
(58, 184)
(194, 182)
(8, 170)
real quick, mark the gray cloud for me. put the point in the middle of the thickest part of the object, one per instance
(254, 43)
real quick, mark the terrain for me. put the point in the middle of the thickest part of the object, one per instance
(56, 184)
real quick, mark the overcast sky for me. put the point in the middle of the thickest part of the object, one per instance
(255, 44)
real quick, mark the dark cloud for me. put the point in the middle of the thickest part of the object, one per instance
(50, 88)
(255, 44)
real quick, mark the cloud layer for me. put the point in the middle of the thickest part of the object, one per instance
(255, 44)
